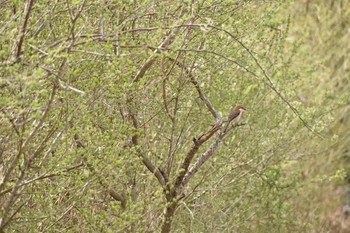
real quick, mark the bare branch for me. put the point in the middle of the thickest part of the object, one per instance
(23, 28)
(201, 94)
(165, 79)
(118, 197)
(168, 41)
(51, 147)
(205, 99)
(62, 84)
(188, 158)
(150, 166)
(206, 155)
(162, 178)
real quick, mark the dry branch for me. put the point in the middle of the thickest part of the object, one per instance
(23, 28)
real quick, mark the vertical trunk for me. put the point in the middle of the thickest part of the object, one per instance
(169, 215)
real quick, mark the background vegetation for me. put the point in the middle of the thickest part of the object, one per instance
(113, 116)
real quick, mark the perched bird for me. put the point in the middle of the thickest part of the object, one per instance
(235, 114)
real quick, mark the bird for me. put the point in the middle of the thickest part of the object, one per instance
(235, 114)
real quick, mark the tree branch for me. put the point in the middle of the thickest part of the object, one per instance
(205, 99)
(23, 28)
(118, 197)
(161, 176)
(29, 137)
(149, 62)
(27, 161)
(206, 155)
(188, 158)
(201, 94)
(43, 176)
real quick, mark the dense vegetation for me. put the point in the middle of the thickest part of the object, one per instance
(113, 116)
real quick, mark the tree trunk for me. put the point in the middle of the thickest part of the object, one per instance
(169, 214)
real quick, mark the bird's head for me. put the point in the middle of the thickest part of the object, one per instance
(240, 107)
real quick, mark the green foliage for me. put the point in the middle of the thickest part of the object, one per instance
(78, 123)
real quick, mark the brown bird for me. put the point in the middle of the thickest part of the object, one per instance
(235, 114)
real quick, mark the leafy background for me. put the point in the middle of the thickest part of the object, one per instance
(79, 117)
